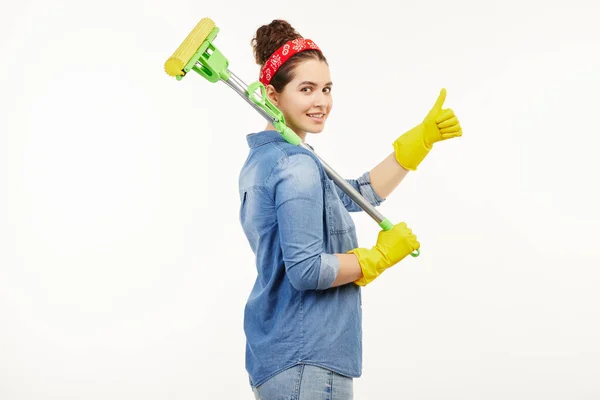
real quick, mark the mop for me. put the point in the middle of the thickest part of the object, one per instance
(198, 53)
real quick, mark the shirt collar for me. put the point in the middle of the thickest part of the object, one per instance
(263, 137)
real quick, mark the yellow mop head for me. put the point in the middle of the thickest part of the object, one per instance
(175, 64)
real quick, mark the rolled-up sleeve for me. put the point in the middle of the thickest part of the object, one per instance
(296, 183)
(363, 186)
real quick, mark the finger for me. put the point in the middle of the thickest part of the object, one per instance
(416, 244)
(440, 100)
(452, 129)
(451, 135)
(444, 115)
(401, 225)
(446, 136)
(404, 231)
(448, 123)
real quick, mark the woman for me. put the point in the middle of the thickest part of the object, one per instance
(303, 318)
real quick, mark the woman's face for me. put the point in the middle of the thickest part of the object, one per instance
(306, 101)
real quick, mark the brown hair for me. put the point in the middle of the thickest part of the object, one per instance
(268, 39)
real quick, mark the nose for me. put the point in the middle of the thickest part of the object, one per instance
(319, 99)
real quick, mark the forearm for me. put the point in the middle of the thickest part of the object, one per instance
(349, 269)
(387, 175)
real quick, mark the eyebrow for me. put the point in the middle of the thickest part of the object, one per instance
(314, 84)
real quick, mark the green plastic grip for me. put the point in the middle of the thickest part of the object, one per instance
(278, 119)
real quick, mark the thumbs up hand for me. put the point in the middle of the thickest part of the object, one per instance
(439, 124)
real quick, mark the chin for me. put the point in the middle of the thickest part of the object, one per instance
(314, 129)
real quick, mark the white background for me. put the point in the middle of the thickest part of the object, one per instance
(124, 271)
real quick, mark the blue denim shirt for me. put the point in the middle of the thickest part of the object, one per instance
(295, 219)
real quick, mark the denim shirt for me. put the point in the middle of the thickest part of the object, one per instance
(295, 218)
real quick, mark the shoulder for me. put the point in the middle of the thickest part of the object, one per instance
(280, 162)
(296, 164)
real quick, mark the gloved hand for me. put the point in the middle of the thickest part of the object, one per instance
(392, 246)
(440, 124)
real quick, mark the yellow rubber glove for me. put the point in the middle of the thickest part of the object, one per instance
(392, 246)
(440, 124)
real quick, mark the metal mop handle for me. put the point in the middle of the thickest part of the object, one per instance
(198, 53)
(242, 89)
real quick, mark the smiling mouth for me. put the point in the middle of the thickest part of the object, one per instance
(316, 116)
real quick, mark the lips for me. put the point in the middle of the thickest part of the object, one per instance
(317, 117)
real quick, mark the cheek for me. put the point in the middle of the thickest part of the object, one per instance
(303, 105)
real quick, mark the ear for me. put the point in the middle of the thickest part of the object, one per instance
(272, 94)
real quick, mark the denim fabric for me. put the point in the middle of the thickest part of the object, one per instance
(306, 382)
(295, 218)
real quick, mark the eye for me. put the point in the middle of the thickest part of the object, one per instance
(327, 90)
(306, 89)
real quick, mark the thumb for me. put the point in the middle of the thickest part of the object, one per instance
(440, 101)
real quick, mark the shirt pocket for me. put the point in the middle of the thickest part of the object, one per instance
(339, 220)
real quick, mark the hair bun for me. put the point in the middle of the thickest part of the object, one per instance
(270, 37)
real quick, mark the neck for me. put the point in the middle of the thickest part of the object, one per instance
(301, 134)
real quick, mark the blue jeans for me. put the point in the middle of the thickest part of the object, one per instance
(305, 382)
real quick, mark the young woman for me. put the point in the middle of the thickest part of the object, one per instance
(303, 317)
